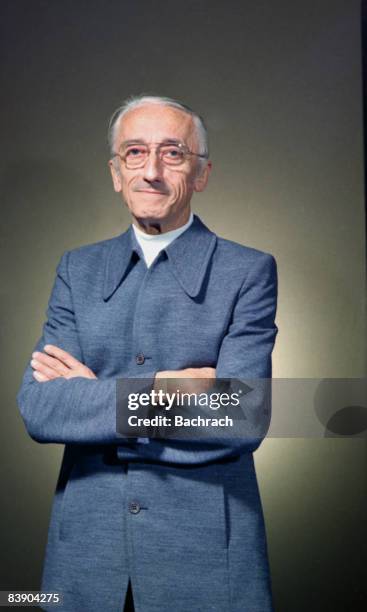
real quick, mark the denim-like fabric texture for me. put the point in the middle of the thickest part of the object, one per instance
(195, 538)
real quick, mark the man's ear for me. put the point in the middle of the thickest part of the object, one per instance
(202, 178)
(116, 176)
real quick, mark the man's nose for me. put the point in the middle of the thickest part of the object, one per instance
(153, 167)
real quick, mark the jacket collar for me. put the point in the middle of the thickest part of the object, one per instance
(189, 256)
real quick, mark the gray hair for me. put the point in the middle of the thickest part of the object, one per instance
(137, 101)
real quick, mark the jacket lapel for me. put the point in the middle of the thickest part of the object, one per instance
(190, 254)
(118, 264)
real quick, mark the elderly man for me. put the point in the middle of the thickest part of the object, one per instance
(171, 524)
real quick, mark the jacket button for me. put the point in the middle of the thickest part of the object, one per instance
(134, 507)
(140, 359)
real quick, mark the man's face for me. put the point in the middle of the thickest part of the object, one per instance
(158, 195)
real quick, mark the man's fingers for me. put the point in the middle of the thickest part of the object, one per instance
(40, 377)
(51, 362)
(62, 355)
(44, 369)
(55, 363)
(205, 372)
(208, 372)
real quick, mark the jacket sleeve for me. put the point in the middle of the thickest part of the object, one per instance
(245, 352)
(77, 410)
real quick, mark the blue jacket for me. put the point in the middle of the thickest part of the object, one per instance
(181, 519)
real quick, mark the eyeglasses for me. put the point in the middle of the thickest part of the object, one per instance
(171, 154)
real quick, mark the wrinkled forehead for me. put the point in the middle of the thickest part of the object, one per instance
(156, 123)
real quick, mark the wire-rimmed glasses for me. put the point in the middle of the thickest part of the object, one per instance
(135, 155)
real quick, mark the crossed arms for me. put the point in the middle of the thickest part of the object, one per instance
(61, 400)
(54, 362)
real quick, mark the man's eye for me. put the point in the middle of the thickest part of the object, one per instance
(135, 152)
(173, 152)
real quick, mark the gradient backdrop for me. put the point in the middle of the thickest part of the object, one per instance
(279, 84)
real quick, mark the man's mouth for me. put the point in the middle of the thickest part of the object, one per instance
(151, 192)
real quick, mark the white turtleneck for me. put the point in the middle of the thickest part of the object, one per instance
(152, 244)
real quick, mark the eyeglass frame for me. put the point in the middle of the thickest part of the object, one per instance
(184, 148)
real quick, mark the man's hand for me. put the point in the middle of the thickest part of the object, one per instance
(189, 380)
(56, 363)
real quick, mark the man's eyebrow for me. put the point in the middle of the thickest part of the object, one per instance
(133, 141)
(172, 141)
(142, 141)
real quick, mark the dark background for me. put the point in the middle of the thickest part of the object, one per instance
(280, 86)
